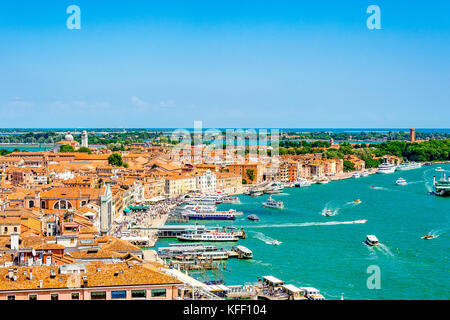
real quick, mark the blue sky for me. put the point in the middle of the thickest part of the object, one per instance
(228, 63)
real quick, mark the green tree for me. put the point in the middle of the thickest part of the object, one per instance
(348, 165)
(115, 159)
(250, 174)
(66, 148)
(84, 149)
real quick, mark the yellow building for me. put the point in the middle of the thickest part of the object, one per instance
(180, 184)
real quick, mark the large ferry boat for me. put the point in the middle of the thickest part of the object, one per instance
(207, 236)
(193, 215)
(408, 166)
(271, 203)
(386, 167)
(441, 187)
(301, 182)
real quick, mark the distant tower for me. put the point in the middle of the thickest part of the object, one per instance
(84, 139)
(412, 135)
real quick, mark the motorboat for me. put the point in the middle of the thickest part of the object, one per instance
(256, 193)
(328, 213)
(276, 242)
(428, 237)
(365, 174)
(253, 217)
(323, 180)
(372, 241)
(356, 175)
(439, 169)
(357, 201)
(301, 182)
(272, 203)
(401, 182)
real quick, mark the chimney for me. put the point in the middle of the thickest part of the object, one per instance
(31, 275)
(85, 282)
(10, 274)
(40, 283)
(14, 236)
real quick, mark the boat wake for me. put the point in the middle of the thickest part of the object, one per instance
(380, 248)
(306, 224)
(265, 264)
(266, 239)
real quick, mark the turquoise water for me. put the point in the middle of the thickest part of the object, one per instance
(322, 252)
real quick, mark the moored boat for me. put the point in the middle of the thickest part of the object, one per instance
(409, 166)
(301, 182)
(365, 174)
(356, 175)
(208, 236)
(386, 167)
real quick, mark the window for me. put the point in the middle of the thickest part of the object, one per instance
(32, 297)
(159, 293)
(98, 295)
(54, 296)
(15, 229)
(11, 297)
(6, 229)
(138, 293)
(119, 294)
(75, 296)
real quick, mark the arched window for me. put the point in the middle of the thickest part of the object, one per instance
(62, 204)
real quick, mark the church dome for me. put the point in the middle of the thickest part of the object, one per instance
(68, 137)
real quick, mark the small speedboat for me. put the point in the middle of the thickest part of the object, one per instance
(439, 169)
(328, 213)
(373, 187)
(357, 201)
(276, 242)
(372, 241)
(401, 182)
(253, 217)
(428, 237)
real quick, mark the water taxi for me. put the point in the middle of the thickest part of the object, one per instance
(356, 175)
(401, 182)
(271, 203)
(253, 217)
(372, 241)
(244, 252)
(428, 237)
